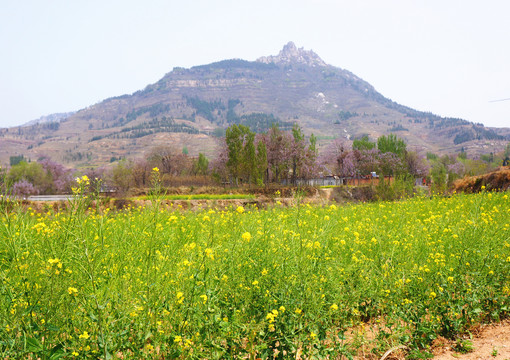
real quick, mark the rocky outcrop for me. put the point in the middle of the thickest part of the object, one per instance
(291, 54)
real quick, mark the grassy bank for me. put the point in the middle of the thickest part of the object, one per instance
(201, 197)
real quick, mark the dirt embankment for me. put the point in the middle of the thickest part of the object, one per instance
(489, 342)
(269, 197)
(495, 180)
(348, 194)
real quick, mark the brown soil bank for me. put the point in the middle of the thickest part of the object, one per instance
(489, 342)
(496, 180)
(271, 190)
(260, 202)
(349, 194)
(264, 197)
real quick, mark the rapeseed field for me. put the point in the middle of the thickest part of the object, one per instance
(312, 281)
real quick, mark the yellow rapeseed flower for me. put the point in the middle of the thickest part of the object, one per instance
(270, 317)
(72, 291)
(209, 253)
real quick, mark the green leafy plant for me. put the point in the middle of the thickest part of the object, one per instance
(463, 346)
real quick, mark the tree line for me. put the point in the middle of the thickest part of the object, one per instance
(256, 159)
(249, 158)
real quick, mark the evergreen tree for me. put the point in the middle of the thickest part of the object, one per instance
(241, 152)
(261, 161)
(297, 152)
(392, 144)
(201, 165)
(363, 144)
(248, 163)
(313, 145)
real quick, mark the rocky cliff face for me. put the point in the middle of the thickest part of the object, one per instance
(290, 54)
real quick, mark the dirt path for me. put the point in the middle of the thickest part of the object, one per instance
(491, 342)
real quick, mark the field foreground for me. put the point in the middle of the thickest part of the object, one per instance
(307, 281)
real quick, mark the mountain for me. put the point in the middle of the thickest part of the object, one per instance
(192, 107)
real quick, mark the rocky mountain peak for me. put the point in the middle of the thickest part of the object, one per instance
(291, 54)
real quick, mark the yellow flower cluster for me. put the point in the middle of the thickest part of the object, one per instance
(246, 236)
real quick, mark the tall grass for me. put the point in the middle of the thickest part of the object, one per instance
(203, 197)
(248, 283)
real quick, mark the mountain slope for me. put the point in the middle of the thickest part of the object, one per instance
(188, 107)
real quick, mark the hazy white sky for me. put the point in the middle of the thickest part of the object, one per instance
(450, 57)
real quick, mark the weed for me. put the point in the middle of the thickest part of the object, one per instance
(463, 346)
(494, 351)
